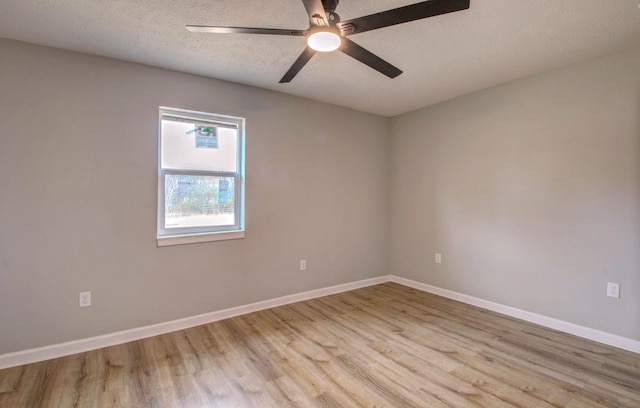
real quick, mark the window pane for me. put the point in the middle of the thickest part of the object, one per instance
(191, 146)
(198, 201)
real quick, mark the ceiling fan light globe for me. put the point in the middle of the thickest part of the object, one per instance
(324, 41)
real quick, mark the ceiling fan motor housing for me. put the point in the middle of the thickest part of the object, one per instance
(330, 5)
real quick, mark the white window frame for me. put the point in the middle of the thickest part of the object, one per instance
(188, 235)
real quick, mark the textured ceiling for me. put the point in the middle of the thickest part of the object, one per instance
(442, 57)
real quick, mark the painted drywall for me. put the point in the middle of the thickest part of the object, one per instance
(531, 193)
(78, 180)
(530, 190)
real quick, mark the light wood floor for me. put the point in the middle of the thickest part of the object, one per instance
(381, 346)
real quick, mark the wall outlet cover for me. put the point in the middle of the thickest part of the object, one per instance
(613, 290)
(85, 299)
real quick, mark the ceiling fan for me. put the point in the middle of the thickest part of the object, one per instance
(327, 33)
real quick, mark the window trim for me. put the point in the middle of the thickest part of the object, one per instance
(189, 235)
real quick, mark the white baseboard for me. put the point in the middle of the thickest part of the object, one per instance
(112, 339)
(549, 322)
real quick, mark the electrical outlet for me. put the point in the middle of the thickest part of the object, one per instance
(303, 264)
(85, 299)
(613, 290)
(438, 258)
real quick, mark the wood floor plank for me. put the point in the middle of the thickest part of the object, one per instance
(381, 346)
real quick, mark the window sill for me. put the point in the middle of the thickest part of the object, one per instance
(197, 238)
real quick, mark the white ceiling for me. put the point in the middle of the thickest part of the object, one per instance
(442, 57)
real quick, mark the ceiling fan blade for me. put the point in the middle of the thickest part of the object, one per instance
(244, 30)
(298, 64)
(355, 51)
(315, 8)
(401, 15)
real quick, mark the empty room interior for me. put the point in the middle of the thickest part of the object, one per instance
(199, 208)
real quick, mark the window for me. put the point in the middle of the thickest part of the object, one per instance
(200, 177)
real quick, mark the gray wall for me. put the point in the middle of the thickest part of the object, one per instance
(78, 157)
(531, 192)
